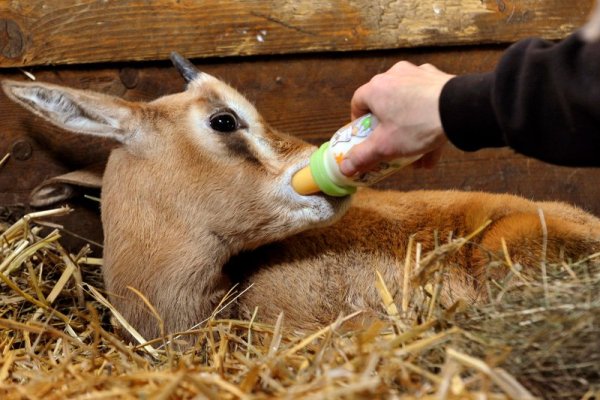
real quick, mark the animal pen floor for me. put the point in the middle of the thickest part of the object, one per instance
(60, 338)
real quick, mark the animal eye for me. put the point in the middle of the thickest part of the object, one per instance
(224, 121)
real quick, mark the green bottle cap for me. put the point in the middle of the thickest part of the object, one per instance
(317, 168)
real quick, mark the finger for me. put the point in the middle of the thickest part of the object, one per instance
(402, 66)
(359, 104)
(357, 160)
(363, 157)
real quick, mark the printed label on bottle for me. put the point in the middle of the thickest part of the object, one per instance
(351, 135)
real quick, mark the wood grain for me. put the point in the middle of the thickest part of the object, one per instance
(38, 32)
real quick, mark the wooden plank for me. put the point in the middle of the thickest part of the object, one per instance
(306, 96)
(38, 32)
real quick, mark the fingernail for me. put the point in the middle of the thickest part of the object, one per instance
(347, 167)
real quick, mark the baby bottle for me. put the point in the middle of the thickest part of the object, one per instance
(323, 172)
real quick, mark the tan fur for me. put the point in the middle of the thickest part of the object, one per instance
(186, 216)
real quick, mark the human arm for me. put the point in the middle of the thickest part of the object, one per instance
(543, 100)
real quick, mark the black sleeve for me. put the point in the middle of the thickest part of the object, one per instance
(543, 100)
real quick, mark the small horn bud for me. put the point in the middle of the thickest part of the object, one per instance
(185, 67)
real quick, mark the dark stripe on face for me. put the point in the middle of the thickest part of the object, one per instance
(237, 146)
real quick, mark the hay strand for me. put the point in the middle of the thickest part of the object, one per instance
(535, 337)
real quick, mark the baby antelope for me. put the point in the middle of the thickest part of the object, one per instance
(198, 197)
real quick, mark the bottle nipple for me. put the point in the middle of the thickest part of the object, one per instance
(304, 183)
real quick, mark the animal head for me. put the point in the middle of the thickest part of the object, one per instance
(203, 159)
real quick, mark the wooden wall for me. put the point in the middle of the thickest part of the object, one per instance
(84, 31)
(299, 62)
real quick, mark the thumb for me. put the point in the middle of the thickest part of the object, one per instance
(362, 157)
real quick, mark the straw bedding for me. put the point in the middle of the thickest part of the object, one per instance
(60, 338)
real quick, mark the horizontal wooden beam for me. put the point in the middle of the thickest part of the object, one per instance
(37, 32)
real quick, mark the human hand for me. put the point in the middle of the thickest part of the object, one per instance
(405, 100)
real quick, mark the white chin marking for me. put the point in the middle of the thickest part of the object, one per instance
(309, 211)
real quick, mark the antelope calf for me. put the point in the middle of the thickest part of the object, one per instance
(198, 197)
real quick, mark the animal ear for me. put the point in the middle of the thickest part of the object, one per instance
(63, 187)
(78, 111)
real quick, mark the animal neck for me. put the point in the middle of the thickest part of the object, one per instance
(182, 277)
